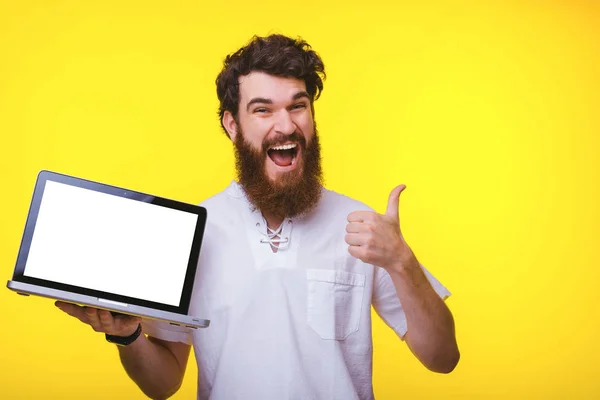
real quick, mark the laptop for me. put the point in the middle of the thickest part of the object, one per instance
(111, 248)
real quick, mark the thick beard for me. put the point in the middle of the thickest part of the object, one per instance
(295, 193)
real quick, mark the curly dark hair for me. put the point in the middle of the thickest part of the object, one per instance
(277, 55)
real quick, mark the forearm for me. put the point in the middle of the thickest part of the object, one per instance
(152, 367)
(431, 335)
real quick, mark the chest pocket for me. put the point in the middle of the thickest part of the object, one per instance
(334, 303)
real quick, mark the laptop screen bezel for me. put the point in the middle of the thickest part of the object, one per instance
(45, 176)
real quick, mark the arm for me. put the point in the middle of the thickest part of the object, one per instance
(376, 239)
(156, 366)
(430, 335)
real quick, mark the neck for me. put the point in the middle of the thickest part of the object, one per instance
(273, 221)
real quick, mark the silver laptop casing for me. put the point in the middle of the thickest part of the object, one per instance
(110, 305)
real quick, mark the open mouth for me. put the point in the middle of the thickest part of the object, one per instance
(283, 155)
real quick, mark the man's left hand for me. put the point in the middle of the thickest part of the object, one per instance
(376, 239)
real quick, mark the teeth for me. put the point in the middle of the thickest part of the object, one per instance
(284, 147)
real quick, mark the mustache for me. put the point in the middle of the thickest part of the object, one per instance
(281, 139)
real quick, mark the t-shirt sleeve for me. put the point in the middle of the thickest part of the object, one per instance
(387, 304)
(165, 331)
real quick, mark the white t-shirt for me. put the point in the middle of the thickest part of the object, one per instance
(295, 324)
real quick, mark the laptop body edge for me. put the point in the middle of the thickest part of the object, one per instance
(106, 304)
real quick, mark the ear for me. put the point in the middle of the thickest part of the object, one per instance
(230, 125)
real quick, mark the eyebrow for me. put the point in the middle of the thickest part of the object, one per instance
(262, 100)
(300, 95)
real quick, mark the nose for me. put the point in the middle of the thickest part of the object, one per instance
(284, 123)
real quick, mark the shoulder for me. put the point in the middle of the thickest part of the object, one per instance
(224, 204)
(222, 199)
(335, 202)
(334, 207)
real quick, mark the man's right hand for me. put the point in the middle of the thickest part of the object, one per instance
(102, 320)
(155, 365)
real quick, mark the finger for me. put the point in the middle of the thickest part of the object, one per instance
(124, 320)
(361, 227)
(355, 251)
(106, 320)
(356, 227)
(73, 310)
(356, 239)
(92, 315)
(393, 202)
(117, 324)
(360, 216)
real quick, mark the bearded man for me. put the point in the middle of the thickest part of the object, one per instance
(288, 270)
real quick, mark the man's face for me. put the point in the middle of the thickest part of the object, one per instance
(275, 112)
(277, 148)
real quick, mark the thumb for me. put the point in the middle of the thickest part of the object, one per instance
(393, 202)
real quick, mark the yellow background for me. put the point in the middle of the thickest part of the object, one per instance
(488, 111)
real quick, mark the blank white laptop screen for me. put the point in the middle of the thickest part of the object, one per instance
(110, 243)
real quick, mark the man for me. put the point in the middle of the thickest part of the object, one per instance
(288, 270)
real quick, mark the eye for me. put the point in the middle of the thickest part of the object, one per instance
(298, 106)
(261, 110)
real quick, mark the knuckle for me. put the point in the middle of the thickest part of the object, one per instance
(365, 255)
(104, 315)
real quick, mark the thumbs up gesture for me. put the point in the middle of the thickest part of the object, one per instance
(376, 239)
